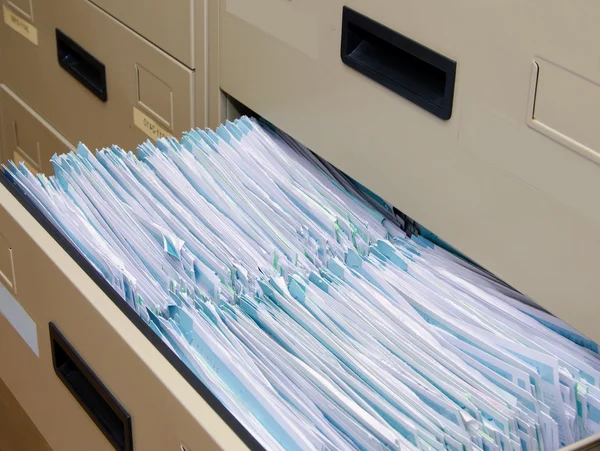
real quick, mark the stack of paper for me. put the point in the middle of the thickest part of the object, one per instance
(293, 295)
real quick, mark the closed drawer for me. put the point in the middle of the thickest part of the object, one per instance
(26, 136)
(41, 283)
(168, 24)
(111, 78)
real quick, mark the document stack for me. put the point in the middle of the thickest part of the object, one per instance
(294, 295)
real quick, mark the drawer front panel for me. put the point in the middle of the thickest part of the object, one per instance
(165, 24)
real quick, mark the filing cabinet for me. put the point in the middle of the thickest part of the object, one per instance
(92, 77)
(482, 180)
(27, 137)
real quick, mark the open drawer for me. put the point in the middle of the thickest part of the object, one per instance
(431, 105)
(102, 348)
(66, 319)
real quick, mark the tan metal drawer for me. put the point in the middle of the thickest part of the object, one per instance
(148, 93)
(167, 24)
(26, 136)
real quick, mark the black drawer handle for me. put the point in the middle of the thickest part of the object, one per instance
(408, 68)
(81, 65)
(90, 392)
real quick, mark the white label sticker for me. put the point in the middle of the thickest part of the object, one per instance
(20, 25)
(19, 319)
(149, 126)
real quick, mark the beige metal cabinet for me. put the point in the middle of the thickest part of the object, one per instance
(507, 175)
(26, 136)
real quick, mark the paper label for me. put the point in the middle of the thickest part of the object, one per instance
(149, 126)
(20, 25)
(19, 319)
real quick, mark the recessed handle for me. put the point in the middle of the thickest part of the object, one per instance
(99, 403)
(408, 68)
(81, 65)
